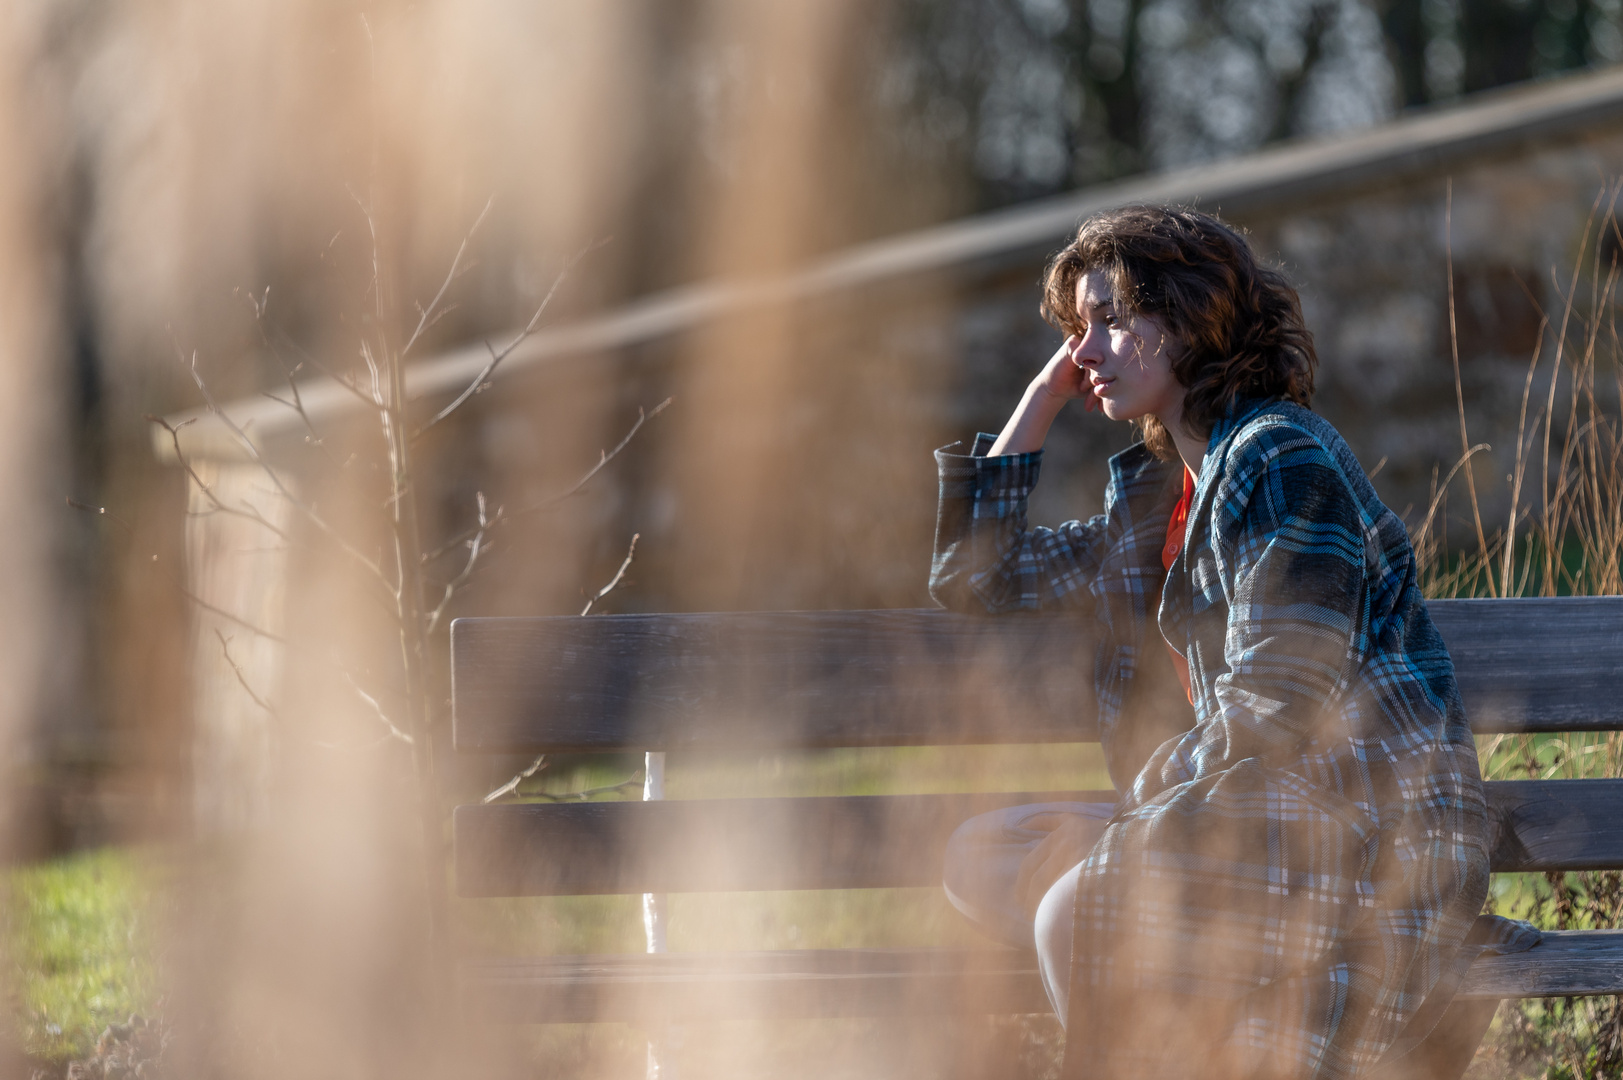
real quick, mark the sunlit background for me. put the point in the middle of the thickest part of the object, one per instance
(815, 228)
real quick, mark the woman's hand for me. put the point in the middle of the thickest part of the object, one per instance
(1064, 378)
(1068, 844)
(1061, 380)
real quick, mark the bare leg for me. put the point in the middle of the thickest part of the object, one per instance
(1054, 920)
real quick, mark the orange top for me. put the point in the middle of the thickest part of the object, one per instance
(1169, 555)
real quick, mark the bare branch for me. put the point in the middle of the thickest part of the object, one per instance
(251, 513)
(261, 306)
(297, 404)
(427, 317)
(462, 539)
(607, 456)
(512, 785)
(341, 378)
(225, 647)
(553, 500)
(497, 356)
(371, 223)
(475, 548)
(616, 579)
(378, 709)
(275, 478)
(228, 617)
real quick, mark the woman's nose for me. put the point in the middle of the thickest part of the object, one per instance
(1086, 349)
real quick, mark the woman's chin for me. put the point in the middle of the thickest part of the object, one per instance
(1115, 411)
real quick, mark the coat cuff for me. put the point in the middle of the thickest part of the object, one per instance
(979, 477)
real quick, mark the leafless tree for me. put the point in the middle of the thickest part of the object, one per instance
(401, 574)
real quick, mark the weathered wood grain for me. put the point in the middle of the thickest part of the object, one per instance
(1537, 664)
(883, 841)
(837, 678)
(1557, 824)
(894, 678)
(898, 982)
(1575, 963)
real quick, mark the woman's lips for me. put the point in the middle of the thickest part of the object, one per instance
(1099, 386)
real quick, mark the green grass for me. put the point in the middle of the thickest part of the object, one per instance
(79, 940)
(79, 945)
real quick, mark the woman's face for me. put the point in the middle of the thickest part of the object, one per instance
(1126, 358)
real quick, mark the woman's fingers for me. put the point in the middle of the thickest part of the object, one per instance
(1061, 375)
(1089, 402)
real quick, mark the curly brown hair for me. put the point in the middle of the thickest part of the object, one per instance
(1237, 323)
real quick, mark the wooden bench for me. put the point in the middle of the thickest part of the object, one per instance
(908, 678)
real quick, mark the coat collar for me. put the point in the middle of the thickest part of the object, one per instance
(1143, 483)
(1177, 597)
(1240, 413)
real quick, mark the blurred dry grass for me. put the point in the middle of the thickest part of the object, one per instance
(231, 142)
(1563, 536)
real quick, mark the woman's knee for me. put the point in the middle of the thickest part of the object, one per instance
(1053, 933)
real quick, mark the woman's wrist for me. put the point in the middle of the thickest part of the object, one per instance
(1027, 429)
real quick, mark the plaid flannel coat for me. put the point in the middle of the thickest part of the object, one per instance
(1288, 881)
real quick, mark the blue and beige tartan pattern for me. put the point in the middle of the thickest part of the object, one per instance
(1284, 884)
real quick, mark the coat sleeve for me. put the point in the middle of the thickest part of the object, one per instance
(986, 559)
(1289, 537)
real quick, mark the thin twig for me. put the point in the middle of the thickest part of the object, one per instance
(230, 618)
(251, 513)
(225, 647)
(382, 716)
(614, 581)
(475, 547)
(512, 785)
(275, 478)
(497, 356)
(343, 379)
(261, 305)
(606, 456)
(426, 315)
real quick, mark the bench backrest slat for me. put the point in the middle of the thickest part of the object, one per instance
(927, 677)
(882, 841)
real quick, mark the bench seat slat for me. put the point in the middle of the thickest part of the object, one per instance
(716, 845)
(877, 841)
(928, 677)
(895, 982)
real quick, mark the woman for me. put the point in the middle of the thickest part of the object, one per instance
(1287, 883)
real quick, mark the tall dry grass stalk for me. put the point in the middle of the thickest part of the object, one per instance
(1562, 535)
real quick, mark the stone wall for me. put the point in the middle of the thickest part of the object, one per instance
(1372, 268)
